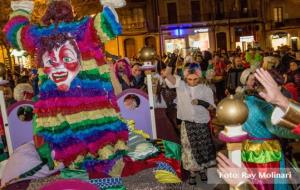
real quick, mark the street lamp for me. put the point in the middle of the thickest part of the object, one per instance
(233, 112)
(147, 55)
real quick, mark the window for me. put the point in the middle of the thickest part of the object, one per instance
(196, 13)
(219, 9)
(129, 47)
(278, 18)
(172, 13)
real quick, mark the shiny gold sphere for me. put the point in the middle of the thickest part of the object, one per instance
(147, 54)
(232, 111)
(2, 70)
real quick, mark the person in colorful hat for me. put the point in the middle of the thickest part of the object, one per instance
(193, 101)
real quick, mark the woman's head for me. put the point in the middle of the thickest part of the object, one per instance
(293, 66)
(192, 74)
(122, 66)
(247, 79)
(136, 70)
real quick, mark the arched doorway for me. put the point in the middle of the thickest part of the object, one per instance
(150, 42)
(129, 45)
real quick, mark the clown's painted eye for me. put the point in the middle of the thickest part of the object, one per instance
(67, 59)
(49, 62)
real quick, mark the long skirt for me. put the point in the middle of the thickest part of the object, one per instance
(198, 149)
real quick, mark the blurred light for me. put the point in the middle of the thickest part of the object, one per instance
(294, 38)
(17, 53)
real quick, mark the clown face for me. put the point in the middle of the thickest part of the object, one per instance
(62, 64)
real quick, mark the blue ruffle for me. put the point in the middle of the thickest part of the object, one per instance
(11, 35)
(76, 93)
(111, 19)
(76, 29)
(86, 84)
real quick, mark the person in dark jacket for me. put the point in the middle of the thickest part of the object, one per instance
(283, 67)
(234, 74)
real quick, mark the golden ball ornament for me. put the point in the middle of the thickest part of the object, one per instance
(232, 111)
(147, 54)
(2, 70)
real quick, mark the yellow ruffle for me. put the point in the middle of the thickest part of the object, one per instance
(120, 145)
(92, 64)
(131, 127)
(75, 118)
(109, 150)
(88, 64)
(19, 13)
(105, 152)
(269, 145)
(97, 24)
(164, 176)
(104, 69)
(117, 168)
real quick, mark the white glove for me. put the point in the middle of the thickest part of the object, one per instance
(24, 5)
(113, 3)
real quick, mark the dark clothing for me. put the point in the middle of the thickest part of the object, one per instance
(296, 77)
(123, 83)
(202, 145)
(166, 93)
(283, 67)
(233, 79)
(138, 82)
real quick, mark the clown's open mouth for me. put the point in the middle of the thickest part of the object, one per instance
(59, 76)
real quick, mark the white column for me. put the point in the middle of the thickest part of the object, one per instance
(151, 104)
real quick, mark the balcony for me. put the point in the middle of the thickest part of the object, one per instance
(286, 23)
(236, 15)
(134, 27)
(211, 16)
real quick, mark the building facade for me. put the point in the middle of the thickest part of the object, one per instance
(210, 24)
(140, 28)
(282, 23)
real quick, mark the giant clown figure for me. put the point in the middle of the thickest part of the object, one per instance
(76, 121)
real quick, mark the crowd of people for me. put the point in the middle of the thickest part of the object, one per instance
(187, 90)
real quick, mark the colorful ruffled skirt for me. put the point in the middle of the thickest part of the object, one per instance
(264, 160)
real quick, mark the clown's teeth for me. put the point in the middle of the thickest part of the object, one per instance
(60, 75)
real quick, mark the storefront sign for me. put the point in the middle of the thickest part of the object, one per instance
(246, 38)
(201, 30)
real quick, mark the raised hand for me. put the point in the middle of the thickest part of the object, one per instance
(231, 173)
(271, 92)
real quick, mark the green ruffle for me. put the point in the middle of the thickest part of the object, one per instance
(77, 126)
(106, 27)
(261, 157)
(3, 156)
(45, 154)
(74, 174)
(43, 78)
(14, 42)
(172, 150)
(94, 74)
